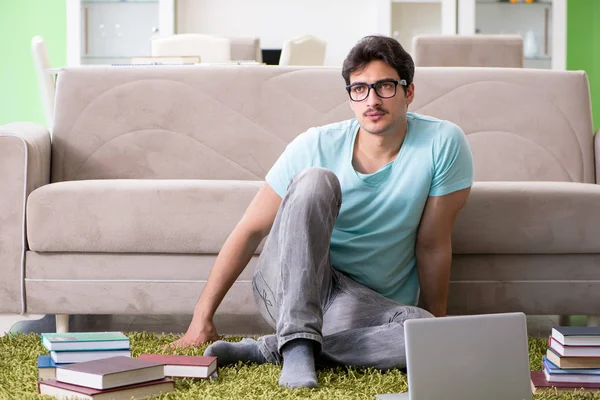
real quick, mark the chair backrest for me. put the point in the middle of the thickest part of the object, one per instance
(468, 51)
(45, 78)
(303, 50)
(246, 49)
(208, 47)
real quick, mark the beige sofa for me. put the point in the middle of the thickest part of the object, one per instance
(123, 209)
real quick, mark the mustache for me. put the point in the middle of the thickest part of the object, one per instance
(376, 109)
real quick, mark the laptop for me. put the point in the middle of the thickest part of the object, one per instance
(467, 358)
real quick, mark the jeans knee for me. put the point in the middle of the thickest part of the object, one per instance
(404, 313)
(317, 184)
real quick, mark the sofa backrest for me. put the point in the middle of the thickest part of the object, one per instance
(232, 122)
(186, 122)
(522, 124)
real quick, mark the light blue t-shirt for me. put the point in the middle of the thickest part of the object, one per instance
(374, 236)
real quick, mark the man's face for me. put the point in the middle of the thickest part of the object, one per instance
(377, 115)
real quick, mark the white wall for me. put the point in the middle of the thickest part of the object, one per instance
(412, 19)
(339, 22)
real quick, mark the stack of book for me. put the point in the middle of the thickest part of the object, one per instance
(77, 347)
(98, 365)
(572, 360)
(165, 60)
(108, 378)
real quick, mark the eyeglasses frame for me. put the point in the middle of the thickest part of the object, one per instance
(401, 82)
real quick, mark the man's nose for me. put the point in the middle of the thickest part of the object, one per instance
(373, 98)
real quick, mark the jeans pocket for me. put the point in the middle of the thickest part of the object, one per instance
(265, 299)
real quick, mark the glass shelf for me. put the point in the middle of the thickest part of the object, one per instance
(539, 58)
(520, 2)
(533, 24)
(105, 57)
(117, 29)
(417, 1)
(117, 1)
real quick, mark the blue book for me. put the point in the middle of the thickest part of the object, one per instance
(553, 369)
(45, 361)
(77, 341)
(577, 335)
(47, 367)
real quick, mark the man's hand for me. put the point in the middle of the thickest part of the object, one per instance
(197, 335)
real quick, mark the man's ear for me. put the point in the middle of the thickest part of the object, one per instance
(410, 93)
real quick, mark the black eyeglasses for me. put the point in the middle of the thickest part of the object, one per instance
(384, 88)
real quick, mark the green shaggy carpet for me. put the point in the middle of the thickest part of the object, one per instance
(18, 375)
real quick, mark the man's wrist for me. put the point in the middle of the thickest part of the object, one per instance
(201, 317)
(438, 310)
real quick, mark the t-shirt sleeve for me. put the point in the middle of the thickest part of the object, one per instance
(297, 156)
(453, 161)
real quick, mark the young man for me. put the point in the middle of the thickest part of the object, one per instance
(359, 216)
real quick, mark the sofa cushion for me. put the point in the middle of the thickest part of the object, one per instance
(529, 218)
(138, 216)
(196, 216)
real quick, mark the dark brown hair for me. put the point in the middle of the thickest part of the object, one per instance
(384, 48)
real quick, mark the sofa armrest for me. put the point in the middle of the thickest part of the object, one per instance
(24, 166)
(597, 155)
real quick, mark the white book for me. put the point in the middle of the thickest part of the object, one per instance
(81, 356)
(571, 378)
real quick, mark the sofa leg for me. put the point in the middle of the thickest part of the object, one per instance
(593, 320)
(8, 320)
(62, 323)
(563, 320)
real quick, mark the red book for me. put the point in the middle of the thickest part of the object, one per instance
(140, 390)
(540, 384)
(185, 366)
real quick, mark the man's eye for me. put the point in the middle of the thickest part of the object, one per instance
(358, 89)
(386, 85)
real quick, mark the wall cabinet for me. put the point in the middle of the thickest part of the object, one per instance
(113, 31)
(541, 23)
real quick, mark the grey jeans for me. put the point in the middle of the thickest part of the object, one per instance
(301, 295)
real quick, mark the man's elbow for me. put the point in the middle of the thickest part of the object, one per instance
(433, 245)
(252, 232)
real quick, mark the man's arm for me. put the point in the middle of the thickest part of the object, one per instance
(231, 261)
(434, 249)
